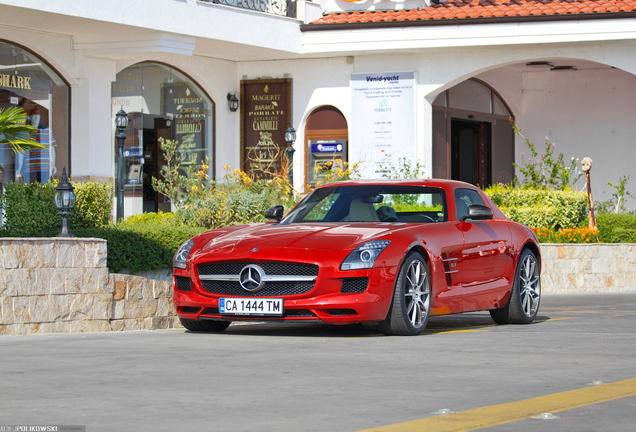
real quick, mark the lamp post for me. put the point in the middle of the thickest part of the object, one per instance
(290, 138)
(121, 122)
(64, 202)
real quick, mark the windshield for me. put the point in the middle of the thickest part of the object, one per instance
(372, 203)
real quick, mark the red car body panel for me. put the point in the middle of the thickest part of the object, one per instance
(472, 263)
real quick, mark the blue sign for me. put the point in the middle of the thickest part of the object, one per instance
(327, 146)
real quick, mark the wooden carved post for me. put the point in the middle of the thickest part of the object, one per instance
(586, 163)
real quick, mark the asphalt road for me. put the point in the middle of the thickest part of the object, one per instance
(310, 377)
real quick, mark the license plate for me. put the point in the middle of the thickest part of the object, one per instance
(251, 306)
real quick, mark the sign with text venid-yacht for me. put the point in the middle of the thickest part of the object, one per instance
(383, 120)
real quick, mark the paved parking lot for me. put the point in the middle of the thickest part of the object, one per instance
(310, 377)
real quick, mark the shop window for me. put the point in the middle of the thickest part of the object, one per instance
(28, 82)
(161, 102)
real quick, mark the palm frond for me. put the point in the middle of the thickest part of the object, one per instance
(15, 132)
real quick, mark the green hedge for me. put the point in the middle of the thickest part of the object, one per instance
(30, 206)
(616, 228)
(540, 208)
(137, 247)
(143, 242)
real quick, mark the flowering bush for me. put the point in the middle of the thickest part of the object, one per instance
(405, 169)
(336, 170)
(181, 189)
(547, 171)
(567, 235)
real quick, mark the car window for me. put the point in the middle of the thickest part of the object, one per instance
(372, 203)
(464, 198)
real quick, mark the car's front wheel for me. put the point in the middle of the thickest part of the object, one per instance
(523, 304)
(411, 306)
(204, 325)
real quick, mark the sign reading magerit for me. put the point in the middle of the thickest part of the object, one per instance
(266, 111)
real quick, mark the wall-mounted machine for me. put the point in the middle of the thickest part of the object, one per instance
(322, 152)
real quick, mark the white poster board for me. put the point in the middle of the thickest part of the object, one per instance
(383, 120)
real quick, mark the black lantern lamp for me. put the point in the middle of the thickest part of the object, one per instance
(233, 102)
(121, 122)
(64, 202)
(290, 138)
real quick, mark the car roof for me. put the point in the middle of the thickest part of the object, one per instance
(443, 183)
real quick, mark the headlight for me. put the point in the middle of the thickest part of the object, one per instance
(364, 256)
(180, 258)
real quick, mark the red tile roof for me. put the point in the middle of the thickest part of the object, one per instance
(459, 10)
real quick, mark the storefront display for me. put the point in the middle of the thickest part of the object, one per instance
(26, 81)
(161, 103)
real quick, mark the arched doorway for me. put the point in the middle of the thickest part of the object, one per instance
(326, 139)
(473, 140)
(161, 102)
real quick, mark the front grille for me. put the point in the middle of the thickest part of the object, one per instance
(270, 268)
(189, 309)
(287, 313)
(270, 288)
(183, 283)
(354, 285)
(342, 312)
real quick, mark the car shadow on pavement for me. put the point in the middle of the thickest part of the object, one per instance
(437, 324)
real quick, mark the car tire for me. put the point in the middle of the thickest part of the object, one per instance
(204, 325)
(523, 304)
(411, 305)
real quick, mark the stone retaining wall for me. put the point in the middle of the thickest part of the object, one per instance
(55, 285)
(588, 268)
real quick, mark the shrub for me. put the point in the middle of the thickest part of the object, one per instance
(616, 228)
(93, 205)
(227, 206)
(137, 246)
(567, 235)
(141, 246)
(30, 206)
(540, 208)
(548, 170)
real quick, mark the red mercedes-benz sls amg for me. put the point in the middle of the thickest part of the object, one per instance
(391, 252)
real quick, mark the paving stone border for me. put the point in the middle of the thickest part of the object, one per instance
(61, 285)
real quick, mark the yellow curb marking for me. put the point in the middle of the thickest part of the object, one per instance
(514, 411)
(456, 331)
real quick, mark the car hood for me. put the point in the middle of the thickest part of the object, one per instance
(319, 237)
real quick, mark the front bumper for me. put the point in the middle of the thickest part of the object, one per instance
(325, 301)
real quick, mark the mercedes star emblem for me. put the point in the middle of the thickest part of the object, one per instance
(251, 278)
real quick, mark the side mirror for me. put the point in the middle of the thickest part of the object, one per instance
(478, 212)
(275, 212)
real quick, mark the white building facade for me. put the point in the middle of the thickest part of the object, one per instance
(171, 65)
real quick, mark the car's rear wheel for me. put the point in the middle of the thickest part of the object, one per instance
(523, 304)
(410, 309)
(204, 325)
